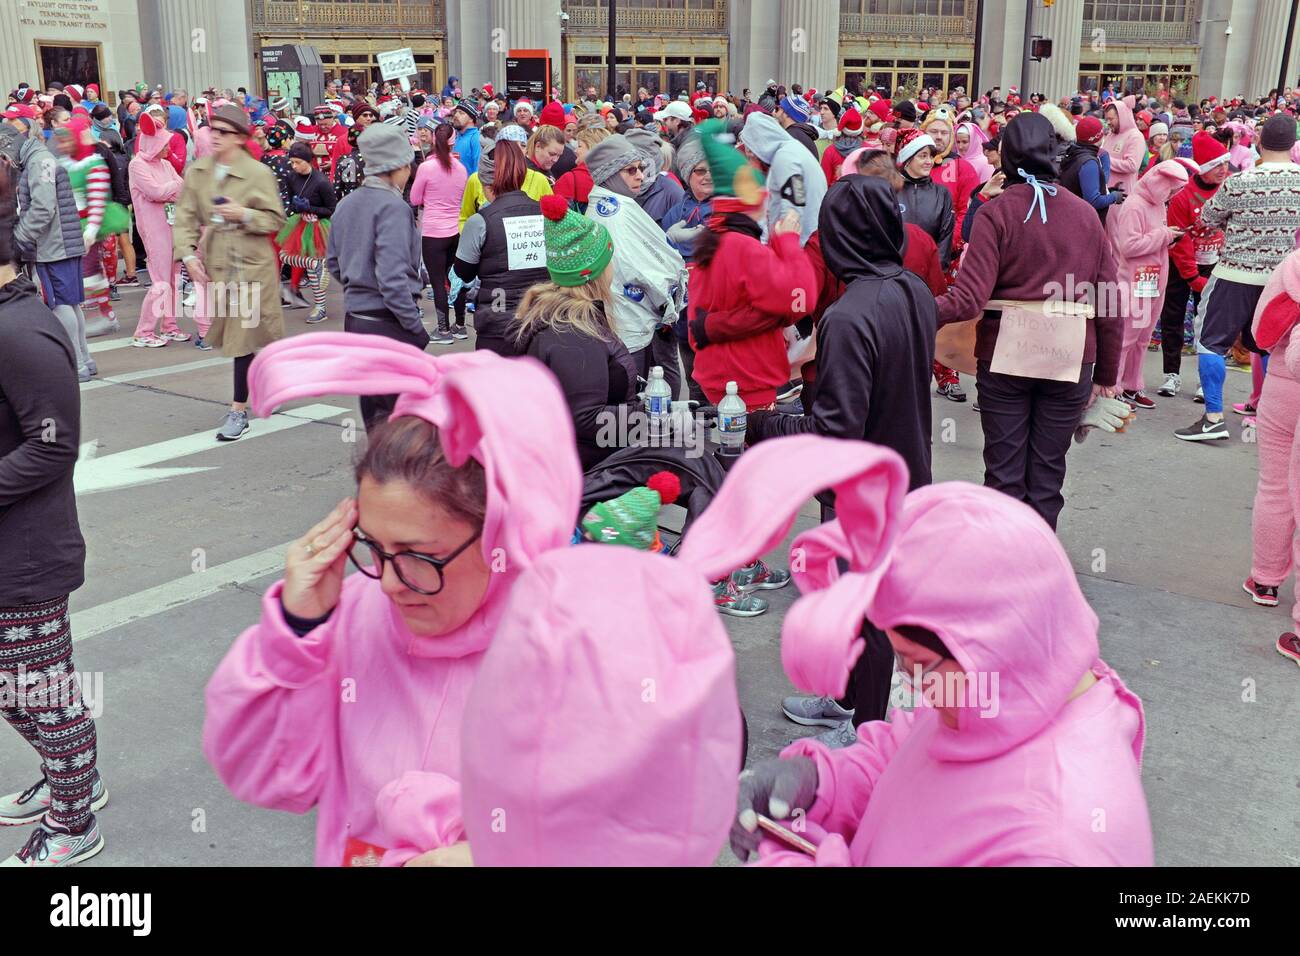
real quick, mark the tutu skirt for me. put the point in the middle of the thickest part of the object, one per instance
(304, 235)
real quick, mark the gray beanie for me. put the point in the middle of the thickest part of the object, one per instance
(647, 143)
(1278, 134)
(606, 158)
(689, 155)
(385, 148)
(487, 164)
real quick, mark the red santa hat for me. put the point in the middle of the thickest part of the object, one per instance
(881, 110)
(1208, 152)
(487, 88)
(304, 131)
(851, 122)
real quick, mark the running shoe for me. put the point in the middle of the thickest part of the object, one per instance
(815, 711)
(1138, 399)
(952, 391)
(1288, 645)
(148, 342)
(113, 294)
(1250, 421)
(201, 344)
(317, 315)
(234, 427)
(840, 736)
(759, 577)
(1204, 430)
(1199, 397)
(1262, 594)
(83, 375)
(791, 391)
(19, 809)
(1244, 408)
(129, 280)
(459, 332)
(54, 845)
(1172, 383)
(177, 336)
(442, 337)
(92, 367)
(729, 599)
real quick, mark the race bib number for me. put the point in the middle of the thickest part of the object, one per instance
(1208, 248)
(793, 191)
(1146, 281)
(525, 242)
(1040, 344)
(359, 853)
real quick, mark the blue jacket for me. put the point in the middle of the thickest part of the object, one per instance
(689, 212)
(468, 145)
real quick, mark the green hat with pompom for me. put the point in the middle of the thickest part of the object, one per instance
(577, 248)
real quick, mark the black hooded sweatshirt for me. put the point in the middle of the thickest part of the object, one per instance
(875, 345)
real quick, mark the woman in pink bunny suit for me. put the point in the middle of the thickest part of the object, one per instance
(348, 695)
(1275, 551)
(155, 188)
(1025, 748)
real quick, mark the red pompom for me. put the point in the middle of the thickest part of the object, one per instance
(667, 484)
(554, 207)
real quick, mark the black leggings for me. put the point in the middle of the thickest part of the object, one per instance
(439, 254)
(242, 365)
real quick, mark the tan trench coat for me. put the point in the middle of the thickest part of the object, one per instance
(241, 261)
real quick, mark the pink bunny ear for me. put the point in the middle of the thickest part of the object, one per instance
(772, 481)
(337, 363)
(511, 417)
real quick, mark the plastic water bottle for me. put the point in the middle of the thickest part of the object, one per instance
(731, 422)
(658, 403)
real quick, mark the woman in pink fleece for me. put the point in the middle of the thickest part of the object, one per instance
(1140, 237)
(347, 696)
(1125, 143)
(1275, 551)
(155, 188)
(1025, 747)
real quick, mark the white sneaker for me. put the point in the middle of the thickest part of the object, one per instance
(19, 809)
(52, 845)
(1173, 382)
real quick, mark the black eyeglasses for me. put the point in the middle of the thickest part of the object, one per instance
(422, 573)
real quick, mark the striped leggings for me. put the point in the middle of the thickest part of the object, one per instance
(315, 269)
(40, 697)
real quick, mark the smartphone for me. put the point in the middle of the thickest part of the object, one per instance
(219, 200)
(786, 836)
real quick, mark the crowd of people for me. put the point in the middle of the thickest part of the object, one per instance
(823, 256)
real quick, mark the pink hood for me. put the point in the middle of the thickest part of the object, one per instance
(1140, 242)
(360, 719)
(508, 415)
(974, 153)
(1027, 625)
(621, 741)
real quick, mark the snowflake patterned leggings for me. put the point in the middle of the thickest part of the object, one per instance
(41, 698)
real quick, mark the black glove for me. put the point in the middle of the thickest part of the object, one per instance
(774, 788)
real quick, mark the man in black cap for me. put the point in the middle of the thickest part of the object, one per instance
(468, 144)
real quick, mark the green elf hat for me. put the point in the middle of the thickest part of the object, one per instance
(632, 519)
(736, 182)
(577, 248)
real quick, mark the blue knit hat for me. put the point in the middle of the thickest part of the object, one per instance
(797, 108)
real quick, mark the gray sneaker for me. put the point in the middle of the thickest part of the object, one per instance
(233, 428)
(19, 809)
(845, 735)
(92, 367)
(815, 711)
(759, 577)
(52, 845)
(83, 374)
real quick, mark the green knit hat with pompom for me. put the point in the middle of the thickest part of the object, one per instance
(577, 248)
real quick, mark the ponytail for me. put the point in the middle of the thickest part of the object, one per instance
(442, 145)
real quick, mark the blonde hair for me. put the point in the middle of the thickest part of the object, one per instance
(541, 137)
(581, 308)
(592, 135)
(1168, 150)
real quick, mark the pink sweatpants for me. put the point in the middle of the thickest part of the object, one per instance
(1137, 336)
(1275, 546)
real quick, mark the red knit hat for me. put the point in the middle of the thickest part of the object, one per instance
(1208, 152)
(1088, 130)
(553, 115)
(851, 122)
(881, 109)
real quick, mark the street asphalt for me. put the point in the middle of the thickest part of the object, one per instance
(1158, 531)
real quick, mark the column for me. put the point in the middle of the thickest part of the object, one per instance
(809, 43)
(17, 57)
(1058, 75)
(755, 45)
(1269, 36)
(1003, 47)
(190, 44)
(469, 42)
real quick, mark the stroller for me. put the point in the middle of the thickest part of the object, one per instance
(629, 468)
